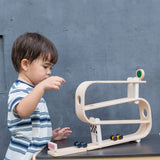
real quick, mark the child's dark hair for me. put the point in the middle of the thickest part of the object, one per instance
(30, 46)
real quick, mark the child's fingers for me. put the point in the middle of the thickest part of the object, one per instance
(58, 83)
(55, 87)
(64, 137)
(67, 134)
(66, 131)
(57, 129)
(60, 79)
(66, 128)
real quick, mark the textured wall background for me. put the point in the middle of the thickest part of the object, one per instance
(96, 40)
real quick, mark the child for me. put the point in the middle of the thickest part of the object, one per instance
(33, 56)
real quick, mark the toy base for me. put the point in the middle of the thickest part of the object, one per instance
(92, 146)
(66, 151)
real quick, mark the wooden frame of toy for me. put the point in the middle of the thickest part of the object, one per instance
(145, 120)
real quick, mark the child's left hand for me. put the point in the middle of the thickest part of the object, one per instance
(59, 133)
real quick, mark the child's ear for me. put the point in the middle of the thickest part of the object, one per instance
(25, 64)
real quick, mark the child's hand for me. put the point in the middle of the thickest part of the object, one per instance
(59, 133)
(53, 82)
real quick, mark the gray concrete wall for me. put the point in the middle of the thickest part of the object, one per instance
(96, 40)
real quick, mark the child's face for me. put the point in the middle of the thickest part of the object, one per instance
(38, 70)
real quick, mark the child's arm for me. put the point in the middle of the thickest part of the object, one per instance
(28, 104)
(59, 133)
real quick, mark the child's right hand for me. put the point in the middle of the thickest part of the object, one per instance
(53, 82)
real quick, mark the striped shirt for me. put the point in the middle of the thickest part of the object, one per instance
(30, 134)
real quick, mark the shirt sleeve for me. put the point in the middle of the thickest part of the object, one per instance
(15, 96)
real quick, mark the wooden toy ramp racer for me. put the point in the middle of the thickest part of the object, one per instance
(145, 121)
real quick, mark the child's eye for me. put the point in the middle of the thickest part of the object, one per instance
(45, 67)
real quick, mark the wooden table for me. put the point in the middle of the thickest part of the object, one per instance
(147, 149)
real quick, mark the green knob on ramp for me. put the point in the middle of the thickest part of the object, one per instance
(140, 73)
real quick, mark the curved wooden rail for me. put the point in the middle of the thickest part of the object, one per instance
(145, 120)
(81, 107)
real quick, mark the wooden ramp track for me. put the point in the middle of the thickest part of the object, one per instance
(81, 107)
(109, 103)
(145, 121)
(143, 107)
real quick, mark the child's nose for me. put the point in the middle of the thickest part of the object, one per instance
(49, 72)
